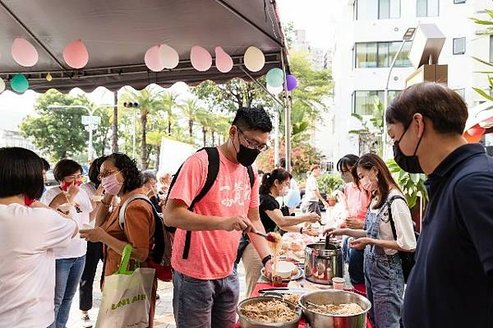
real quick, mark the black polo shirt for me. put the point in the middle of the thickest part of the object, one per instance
(451, 284)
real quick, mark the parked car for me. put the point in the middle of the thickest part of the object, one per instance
(50, 178)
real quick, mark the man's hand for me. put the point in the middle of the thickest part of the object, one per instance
(335, 232)
(94, 235)
(238, 222)
(312, 217)
(268, 269)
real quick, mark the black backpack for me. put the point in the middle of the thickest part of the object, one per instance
(407, 258)
(160, 253)
(212, 172)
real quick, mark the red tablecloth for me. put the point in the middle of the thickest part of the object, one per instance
(360, 289)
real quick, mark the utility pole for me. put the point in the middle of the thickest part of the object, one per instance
(114, 135)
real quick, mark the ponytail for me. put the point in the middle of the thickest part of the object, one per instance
(269, 178)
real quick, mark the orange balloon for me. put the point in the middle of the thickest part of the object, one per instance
(472, 139)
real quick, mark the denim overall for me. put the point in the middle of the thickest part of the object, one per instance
(383, 276)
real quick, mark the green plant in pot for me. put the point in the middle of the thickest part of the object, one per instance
(328, 183)
(412, 186)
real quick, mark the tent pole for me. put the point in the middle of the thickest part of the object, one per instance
(248, 21)
(31, 34)
(114, 146)
(263, 87)
(287, 116)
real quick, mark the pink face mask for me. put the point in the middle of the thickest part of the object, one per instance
(111, 184)
(367, 184)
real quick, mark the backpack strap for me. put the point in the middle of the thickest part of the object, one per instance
(251, 176)
(391, 220)
(157, 252)
(212, 172)
(123, 208)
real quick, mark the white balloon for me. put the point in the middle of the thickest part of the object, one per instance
(2, 85)
(275, 90)
(169, 56)
(254, 59)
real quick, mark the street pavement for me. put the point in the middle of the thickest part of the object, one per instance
(164, 308)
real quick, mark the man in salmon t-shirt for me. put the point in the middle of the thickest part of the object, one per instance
(206, 288)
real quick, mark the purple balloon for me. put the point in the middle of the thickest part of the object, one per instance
(292, 82)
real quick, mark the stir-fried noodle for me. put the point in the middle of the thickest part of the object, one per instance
(336, 309)
(269, 311)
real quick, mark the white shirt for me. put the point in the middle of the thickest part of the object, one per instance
(311, 187)
(78, 246)
(27, 274)
(402, 221)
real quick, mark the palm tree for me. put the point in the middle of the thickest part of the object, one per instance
(190, 110)
(220, 127)
(168, 102)
(148, 100)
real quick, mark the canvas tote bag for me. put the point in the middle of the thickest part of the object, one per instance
(126, 296)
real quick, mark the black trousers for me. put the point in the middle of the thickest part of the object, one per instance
(93, 255)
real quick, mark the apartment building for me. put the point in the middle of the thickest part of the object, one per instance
(369, 33)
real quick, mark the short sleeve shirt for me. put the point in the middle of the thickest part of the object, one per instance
(453, 273)
(78, 246)
(28, 237)
(311, 187)
(267, 203)
(212, 253)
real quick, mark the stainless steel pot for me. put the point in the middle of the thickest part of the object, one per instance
(249, 323)
(322, 264)
(333, 296)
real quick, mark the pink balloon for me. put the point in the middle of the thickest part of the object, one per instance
(75, 54)
(153, 59)
(201, 59)
(224, 62)
(24, 52)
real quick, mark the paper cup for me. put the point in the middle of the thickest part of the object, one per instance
(338, 283)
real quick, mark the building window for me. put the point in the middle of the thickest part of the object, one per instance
(378, 9)
(381, 54)
(491, 48)
(364, 101)
(389, 9)
(459, 1)
(459, 45)
(427, 8)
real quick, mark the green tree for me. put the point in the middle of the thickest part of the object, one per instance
(149, 100)
(59, 132)
(102, 135)
(230, 96)
(190, 110)
(488, 23)
(314, 86)
(371, 132)
(169, 103)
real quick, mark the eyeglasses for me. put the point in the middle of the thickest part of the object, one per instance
(73, 177)
(103, 175)
(253, 144)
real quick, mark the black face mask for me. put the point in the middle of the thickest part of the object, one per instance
(246, 156)
(407, 163)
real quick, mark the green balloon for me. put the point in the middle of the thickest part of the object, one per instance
(275, 77)
(19, 83)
